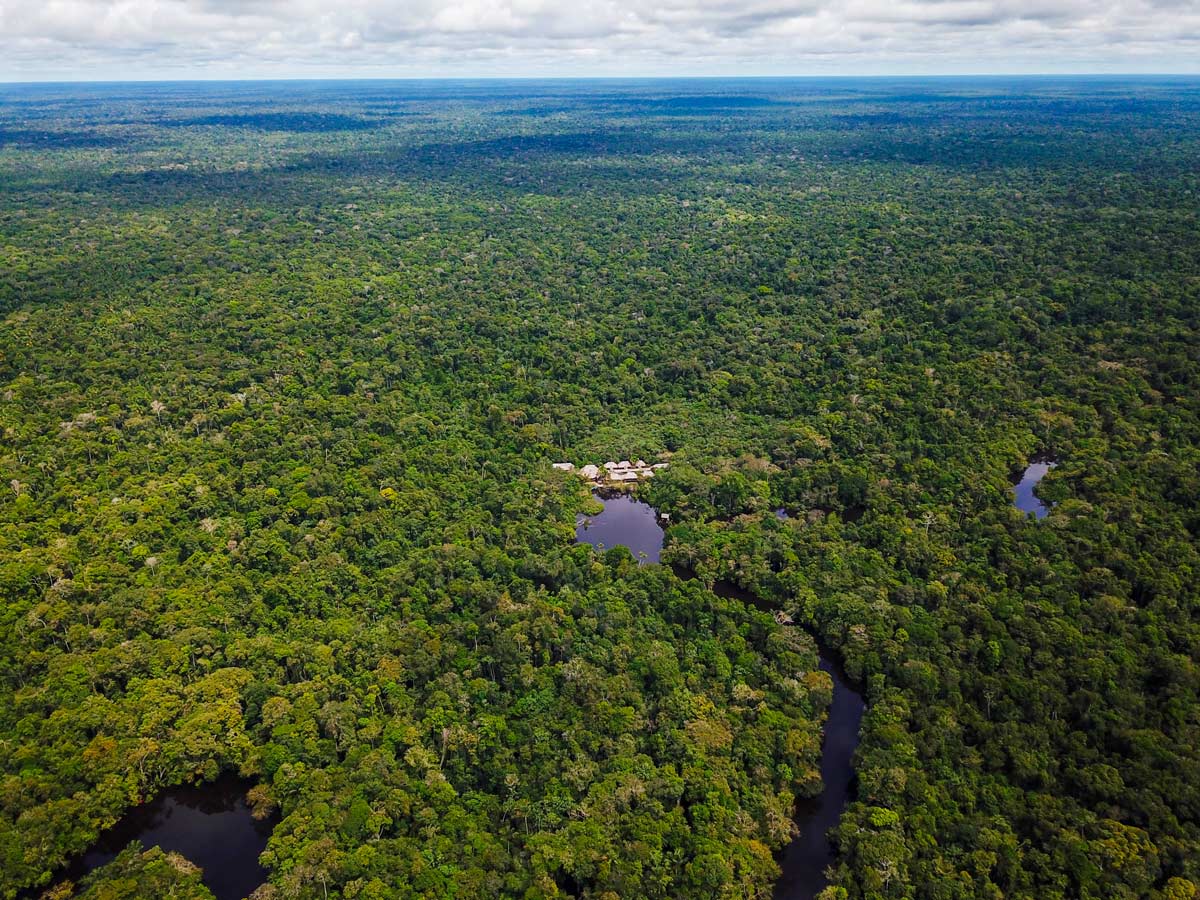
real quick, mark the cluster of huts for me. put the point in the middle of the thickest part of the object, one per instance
(613, 472)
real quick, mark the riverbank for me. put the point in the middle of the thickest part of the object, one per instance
(802, 862)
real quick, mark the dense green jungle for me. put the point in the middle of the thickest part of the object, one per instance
(284, 370)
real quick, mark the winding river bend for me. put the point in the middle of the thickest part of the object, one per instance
(805, 859)
(803, 862)
(211, 824)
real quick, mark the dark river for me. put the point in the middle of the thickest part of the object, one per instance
(804, 860)
(635, 525)
(209, 824)
(1024, 497)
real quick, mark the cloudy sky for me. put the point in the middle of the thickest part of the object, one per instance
(122, 39)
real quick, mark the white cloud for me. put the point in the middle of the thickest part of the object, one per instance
(223, 38)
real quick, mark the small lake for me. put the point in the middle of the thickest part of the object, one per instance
(1024, 497)
(209, 824)
(626, 522)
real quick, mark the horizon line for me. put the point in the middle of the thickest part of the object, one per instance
(947, 76)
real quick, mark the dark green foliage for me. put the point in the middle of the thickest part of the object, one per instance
(282, 371)
(136, 875)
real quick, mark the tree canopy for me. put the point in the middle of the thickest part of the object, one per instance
(283, 370)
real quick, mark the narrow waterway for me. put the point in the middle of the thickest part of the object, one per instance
(635, 525)
(805, 859)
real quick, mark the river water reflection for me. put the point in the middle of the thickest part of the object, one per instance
(624, 521)
(804, 860)
(1023, 495)
(635, 525)
(209, 824)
